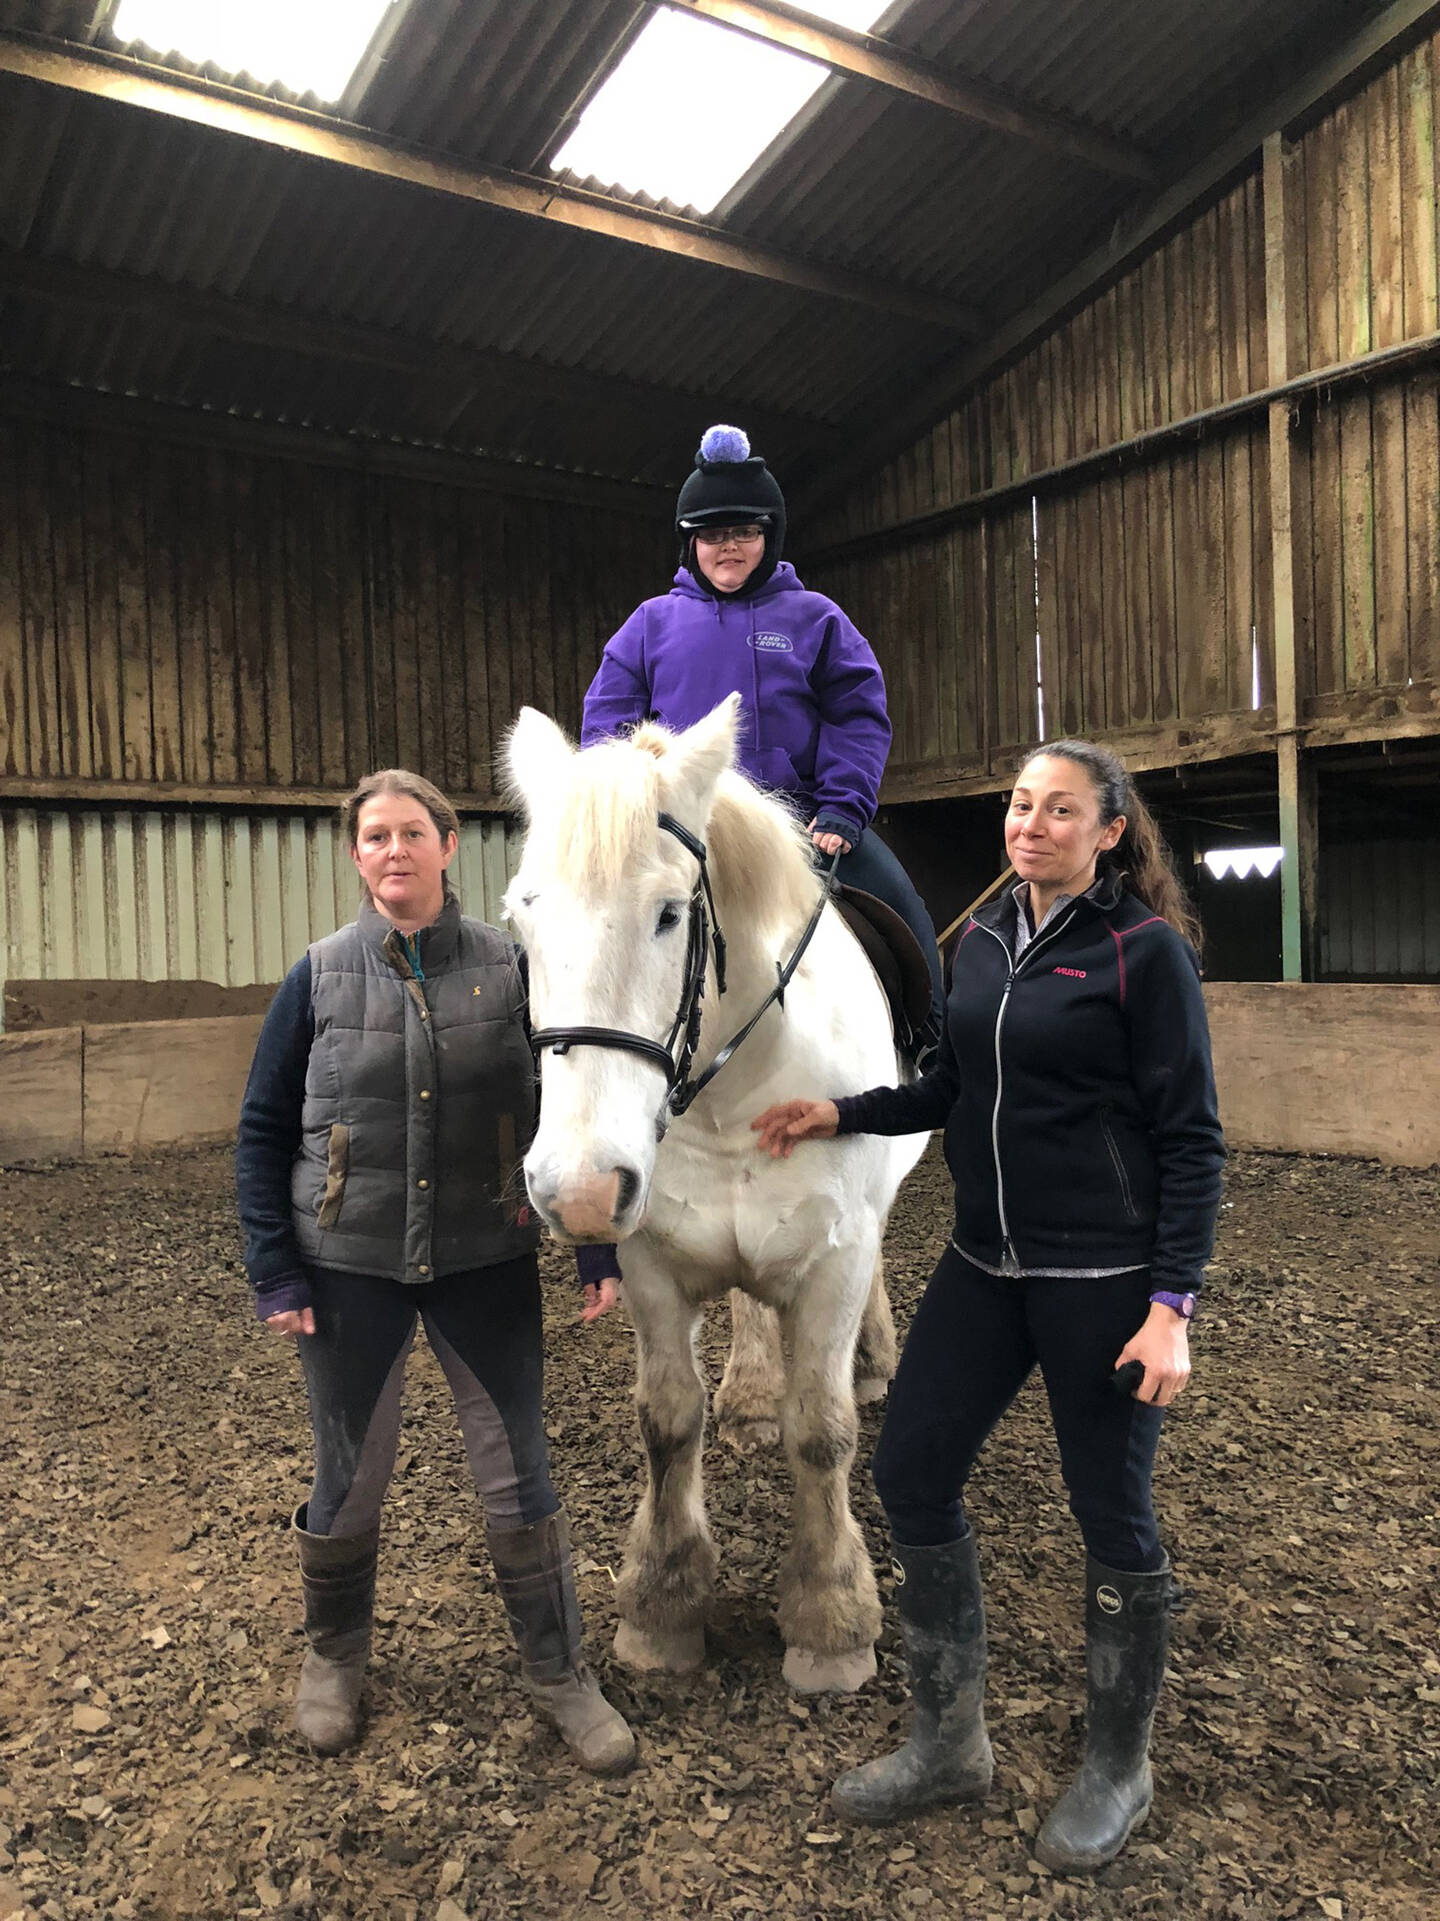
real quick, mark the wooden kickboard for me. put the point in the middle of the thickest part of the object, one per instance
(149, 1082)
(41, 1095)
(1329, 1069)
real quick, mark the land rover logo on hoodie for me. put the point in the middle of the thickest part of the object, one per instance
(772, 643)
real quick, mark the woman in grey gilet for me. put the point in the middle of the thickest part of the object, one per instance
(390, 1100)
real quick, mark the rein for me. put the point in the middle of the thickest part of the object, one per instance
(703, 932)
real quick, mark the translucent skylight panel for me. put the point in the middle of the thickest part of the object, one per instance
(692, 106)
(309, 46)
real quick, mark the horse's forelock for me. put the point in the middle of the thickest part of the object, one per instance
(603, 818)
(651, 738)
(601, 826)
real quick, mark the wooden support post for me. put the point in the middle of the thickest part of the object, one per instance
(1299, 835)
(1294, 777)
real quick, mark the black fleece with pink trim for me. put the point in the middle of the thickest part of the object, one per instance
(1076, 1093)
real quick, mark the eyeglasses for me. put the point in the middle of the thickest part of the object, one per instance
(722, 536)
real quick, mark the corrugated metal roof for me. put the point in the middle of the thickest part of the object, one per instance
(866, 181)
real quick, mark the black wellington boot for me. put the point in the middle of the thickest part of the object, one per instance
(535, 1573)
(947, 1757)
(338, 1576)
(1127, 1632)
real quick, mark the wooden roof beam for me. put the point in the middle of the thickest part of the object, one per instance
(472, 369)
(866, 56)
(23, 397)
(315, 136)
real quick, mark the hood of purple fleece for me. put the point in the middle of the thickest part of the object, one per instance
(783, 580)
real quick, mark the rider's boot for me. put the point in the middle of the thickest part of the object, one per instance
(923, 1046)
(947, 1757)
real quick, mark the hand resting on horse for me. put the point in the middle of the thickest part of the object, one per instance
(781, 1128)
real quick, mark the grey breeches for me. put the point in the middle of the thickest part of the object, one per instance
(485, 1329)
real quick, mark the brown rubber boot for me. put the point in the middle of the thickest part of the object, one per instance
(338, 1576)
(535, 1573)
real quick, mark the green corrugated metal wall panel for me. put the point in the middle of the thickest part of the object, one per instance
(225, 897)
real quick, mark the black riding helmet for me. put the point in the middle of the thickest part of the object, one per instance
(729, 487)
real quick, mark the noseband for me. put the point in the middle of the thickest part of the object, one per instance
(702, 933)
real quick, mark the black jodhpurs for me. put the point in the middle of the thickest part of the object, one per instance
(485, 1329)
(874, 869)
(974, 1339)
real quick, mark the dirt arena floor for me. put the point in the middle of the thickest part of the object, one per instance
(153, 1445)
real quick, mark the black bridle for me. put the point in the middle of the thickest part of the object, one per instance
(703, 933)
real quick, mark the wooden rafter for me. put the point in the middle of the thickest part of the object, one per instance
(25, 398)
(316, 136)
(865, 56)
(472, 370)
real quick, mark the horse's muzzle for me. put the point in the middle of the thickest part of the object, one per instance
(588, 1207)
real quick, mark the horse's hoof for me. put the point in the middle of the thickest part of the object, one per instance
(810, 1673)
(753, 1434)
(679, 1652)
(873, 1389)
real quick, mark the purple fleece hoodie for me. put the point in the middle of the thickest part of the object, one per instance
(813, 722)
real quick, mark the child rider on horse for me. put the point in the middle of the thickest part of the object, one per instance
(814, 724)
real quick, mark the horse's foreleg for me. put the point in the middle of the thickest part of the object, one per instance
(875, 1351)
(747, 1401)
(669, 1573)
(829, 1609)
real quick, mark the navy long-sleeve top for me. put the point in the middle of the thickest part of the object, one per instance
(1077, 1096)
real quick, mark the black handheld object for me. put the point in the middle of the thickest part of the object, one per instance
(1126, 1379)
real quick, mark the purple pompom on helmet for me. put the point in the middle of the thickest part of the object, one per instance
(727, 445)
(730, 487)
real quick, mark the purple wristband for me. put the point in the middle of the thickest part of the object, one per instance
(1183, 1304)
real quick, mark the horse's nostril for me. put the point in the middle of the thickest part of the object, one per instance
(540, 1190)
(629, 1191)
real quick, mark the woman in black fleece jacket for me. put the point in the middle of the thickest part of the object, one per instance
(1076, 1093)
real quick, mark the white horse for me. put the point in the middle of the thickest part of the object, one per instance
(624, 841)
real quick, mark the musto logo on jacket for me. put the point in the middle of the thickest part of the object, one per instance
(772, 643)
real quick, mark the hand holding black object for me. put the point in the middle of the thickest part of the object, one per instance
(1126, 1379)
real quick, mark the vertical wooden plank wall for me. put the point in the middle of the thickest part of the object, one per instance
(1371, 479)
(198, 617)
(1136, 602)
(1121, 603)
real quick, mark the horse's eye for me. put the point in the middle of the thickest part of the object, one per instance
(669, 917)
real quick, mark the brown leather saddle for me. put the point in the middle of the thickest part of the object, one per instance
(894, 953)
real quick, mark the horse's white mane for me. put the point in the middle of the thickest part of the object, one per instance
(762, 870)
(597, 827)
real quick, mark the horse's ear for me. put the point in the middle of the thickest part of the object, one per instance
(536, 751)
(699, 756)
